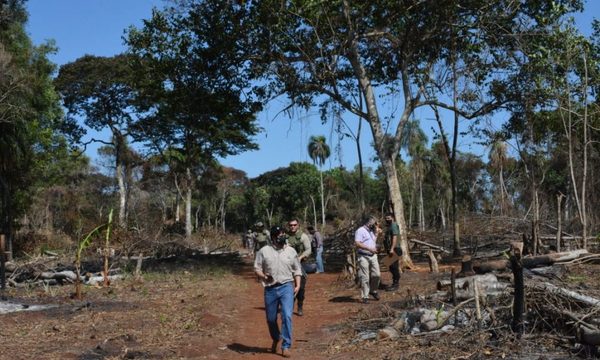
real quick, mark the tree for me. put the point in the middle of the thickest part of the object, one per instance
(350, 52)
(99, 90)
(319, 151)
(414, 141)
(194, 87)
(498, 158)
(30, 115)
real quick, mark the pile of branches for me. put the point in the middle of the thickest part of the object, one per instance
(557, 309)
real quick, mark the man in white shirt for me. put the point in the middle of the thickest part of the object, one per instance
(365, 239)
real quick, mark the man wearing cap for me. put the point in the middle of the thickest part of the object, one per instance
(278, 267)
(301, 243)
(261, 236)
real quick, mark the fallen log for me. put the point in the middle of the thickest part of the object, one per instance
(493, 289)
(61, 275)
(440, 248)
(463, 283)
(573, 295)
(529, 262)
(95, 280)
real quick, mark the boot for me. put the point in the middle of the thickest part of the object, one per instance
(300, 312)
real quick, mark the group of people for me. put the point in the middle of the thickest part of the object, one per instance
(278, 264)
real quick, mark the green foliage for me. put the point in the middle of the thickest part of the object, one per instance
(30, 116)
(289, 189)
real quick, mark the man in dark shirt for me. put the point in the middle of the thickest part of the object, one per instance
(317, 240)
(392, 247)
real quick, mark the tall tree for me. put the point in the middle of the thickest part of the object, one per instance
(29, 114)
(349, 50)
(319, 151)
(98, 90)
(414, 141)
(194, 87)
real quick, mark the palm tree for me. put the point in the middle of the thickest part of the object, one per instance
(319, 151)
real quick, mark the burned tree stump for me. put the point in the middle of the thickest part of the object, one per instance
(466, 267)
(519, 302)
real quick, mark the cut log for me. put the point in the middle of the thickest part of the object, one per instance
(96, 280)
(588, 336)
(588, 300)
(430, 245)
(61, 275)
(463, 283)
(529, 262)
(485, 290)
(492, 265)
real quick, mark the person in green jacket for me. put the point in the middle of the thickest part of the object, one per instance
(262, 237)
(301, 243)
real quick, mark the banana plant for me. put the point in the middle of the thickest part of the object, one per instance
(81, 246)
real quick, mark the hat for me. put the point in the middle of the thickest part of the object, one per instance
(259, 224)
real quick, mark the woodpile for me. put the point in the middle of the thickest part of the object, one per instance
(524, 294)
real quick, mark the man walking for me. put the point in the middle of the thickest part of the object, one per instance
(278, 268)
(301, 243)
(392, 248)
(365, 239)
(317, 240)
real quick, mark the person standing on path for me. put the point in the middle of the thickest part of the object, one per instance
(279, 269)
(365, 239)
(317, 240)
(261, 236)
(392, 247)
(301, 243)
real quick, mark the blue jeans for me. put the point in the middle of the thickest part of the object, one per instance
(275, 297)
(319, 258)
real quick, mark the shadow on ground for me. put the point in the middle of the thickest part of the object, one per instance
(245, 349)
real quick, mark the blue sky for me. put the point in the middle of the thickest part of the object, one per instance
(96, 27)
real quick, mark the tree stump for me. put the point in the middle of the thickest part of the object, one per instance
(466, 267)
(519, 302)
(433, 264)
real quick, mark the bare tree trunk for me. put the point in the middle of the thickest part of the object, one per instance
(585, 155)
(421, 206)
(122, 195)
(559, 199)
(188, 203)
(312, 199)
(535, 230)
(442, 217)
(322, 200)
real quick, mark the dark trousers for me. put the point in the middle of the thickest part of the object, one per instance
(300, 295)
(395, 270)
